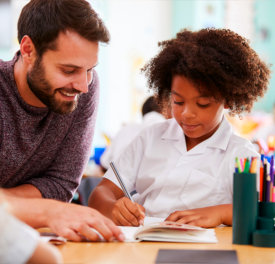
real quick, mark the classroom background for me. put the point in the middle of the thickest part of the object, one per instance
(136, 27)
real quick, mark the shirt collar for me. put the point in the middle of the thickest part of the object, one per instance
(220, 139)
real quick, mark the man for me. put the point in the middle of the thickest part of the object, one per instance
(49, 96)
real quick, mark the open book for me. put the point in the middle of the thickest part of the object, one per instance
(169, 232)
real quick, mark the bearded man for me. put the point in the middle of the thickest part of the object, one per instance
(48, 99)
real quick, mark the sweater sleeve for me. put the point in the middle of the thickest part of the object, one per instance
(62, 178)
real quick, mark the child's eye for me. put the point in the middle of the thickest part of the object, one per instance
(203, 105)
(178, 103)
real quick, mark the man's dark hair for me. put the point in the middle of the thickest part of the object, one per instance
(43, 20)
(218, 61)
(150, 105)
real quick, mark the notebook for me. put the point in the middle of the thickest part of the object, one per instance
(168, 232)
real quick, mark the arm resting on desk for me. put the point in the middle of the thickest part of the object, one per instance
(211, 216)
(68, 220)
(24, 190)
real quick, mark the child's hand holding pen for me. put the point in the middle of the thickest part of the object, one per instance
(128, 213)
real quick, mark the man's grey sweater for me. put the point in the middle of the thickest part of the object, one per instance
(40, 147)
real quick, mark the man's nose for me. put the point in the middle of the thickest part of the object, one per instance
(81, 83)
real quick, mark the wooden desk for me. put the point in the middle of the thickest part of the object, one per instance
(146, 252)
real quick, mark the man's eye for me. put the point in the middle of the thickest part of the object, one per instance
(69, 72)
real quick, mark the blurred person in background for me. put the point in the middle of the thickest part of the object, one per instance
(151, 114)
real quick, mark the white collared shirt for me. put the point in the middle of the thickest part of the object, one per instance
(168, 178)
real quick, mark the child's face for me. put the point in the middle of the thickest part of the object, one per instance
(197, 114)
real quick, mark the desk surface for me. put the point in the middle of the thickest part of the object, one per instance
(146, 252)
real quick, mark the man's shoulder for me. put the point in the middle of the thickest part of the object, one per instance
(94, 85)
(3, 67)
(6, 67)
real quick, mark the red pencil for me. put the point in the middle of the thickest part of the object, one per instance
(261, 180)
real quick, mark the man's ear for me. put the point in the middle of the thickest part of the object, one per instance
(27, 50)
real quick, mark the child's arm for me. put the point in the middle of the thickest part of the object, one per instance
(211, 216)
(110, 201)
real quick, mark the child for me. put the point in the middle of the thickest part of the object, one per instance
(182, 169)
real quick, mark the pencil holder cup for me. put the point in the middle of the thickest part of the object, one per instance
(245, 207)
(266, 219)
(265, 223)
(264, 238)
(267, 209)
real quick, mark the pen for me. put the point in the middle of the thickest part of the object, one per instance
(120, 181)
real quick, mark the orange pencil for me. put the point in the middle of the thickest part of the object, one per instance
(253, 165)
(271, 192)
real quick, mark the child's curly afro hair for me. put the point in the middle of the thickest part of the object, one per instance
(218, 61)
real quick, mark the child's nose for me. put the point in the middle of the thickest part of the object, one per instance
(188, 112)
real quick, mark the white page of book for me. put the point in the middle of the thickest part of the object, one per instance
(204, 236)
(129, 231)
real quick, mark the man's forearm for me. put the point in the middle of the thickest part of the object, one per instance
(31, 211)
(25, 190)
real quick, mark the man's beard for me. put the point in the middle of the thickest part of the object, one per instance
(45, 93)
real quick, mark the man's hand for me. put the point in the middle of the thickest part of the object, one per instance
(76, 223)
(211, 216)
(72, 221)
(127, 213)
